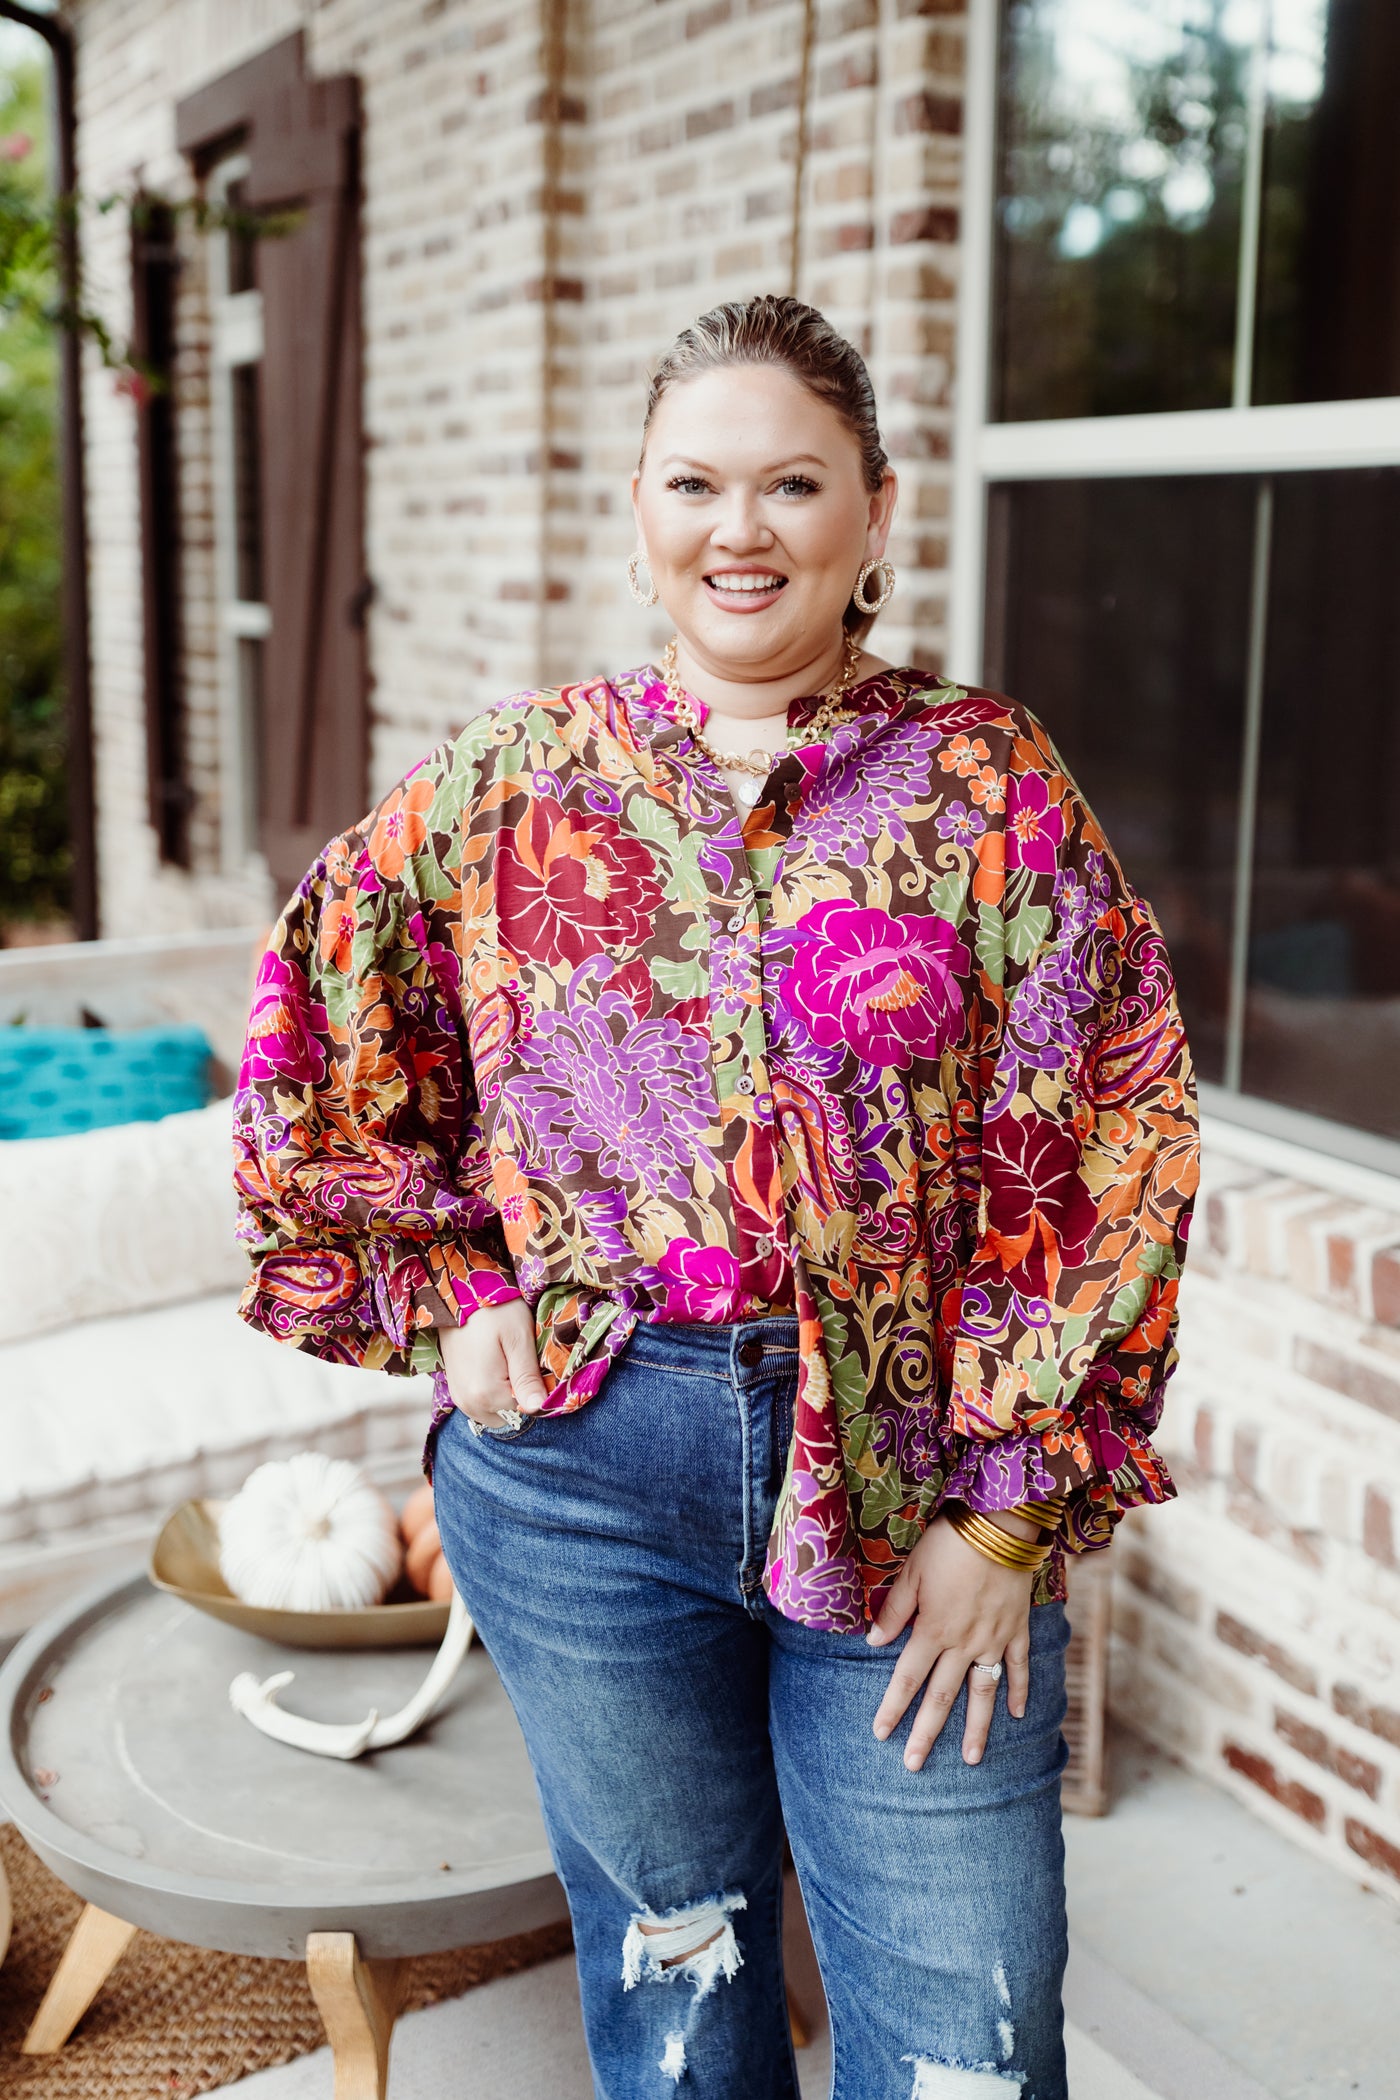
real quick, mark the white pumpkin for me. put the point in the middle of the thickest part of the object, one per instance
(309, 1533)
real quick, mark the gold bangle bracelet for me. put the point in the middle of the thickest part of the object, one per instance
(1047, 1513)
(992, 1542)
(992, 1545)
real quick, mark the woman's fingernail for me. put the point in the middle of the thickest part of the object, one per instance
(882, 1729)
(972, 1757)
(875, 1637)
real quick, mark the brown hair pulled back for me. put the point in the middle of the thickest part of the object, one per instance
(775, 329)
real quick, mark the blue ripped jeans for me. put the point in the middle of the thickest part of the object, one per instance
(613, 1561)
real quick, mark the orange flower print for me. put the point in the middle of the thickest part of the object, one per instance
(402, 827)
(520, 1214)
(988, 788)
(338, 925)
(964, 755)
(989, 883)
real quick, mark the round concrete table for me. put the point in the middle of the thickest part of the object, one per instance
(128, 1772)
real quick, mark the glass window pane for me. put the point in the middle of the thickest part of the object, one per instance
(250, 657)
(1119, 611)
(1322, 1026)
(1328, 324)
(242, 248)
(247, 484)
(1120, 173)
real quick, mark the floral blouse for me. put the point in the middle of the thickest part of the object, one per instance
(900, 1053)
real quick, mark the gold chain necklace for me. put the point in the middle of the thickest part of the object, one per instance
(757, 763)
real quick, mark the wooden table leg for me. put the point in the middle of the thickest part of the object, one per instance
(359, 2001)
(98, 1944)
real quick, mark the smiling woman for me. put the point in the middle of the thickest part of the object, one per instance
(751, 1086)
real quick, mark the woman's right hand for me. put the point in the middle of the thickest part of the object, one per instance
(491, 1365)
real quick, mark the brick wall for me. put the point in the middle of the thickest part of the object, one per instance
(1257, 1618)
(551, 192)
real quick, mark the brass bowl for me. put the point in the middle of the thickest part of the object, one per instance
(185, 1564)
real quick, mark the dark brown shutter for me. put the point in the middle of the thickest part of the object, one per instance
(301, 136)
(154, 270)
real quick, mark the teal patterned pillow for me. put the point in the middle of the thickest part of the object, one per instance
(54, 1081)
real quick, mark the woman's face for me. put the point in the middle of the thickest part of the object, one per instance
(754, 517)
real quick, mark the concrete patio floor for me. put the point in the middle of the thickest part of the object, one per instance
(1210, 1960)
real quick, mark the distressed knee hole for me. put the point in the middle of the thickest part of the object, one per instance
(936, 2081)
(695, 1941)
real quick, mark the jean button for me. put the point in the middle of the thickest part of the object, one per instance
(750, 1354)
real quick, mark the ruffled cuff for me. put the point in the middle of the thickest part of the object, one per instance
(460, 1280)
(992, 1476)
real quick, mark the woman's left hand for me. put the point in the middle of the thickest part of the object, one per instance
(965, 1609)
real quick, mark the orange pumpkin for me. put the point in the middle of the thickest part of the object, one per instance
(424, 1564)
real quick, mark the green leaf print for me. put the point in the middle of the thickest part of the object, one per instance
(856, 1438)
(1157, 1259)
(1028, 931)
(947, 898)
(991, 941)
(848, 1384)
(881, 1498)
(1126, 1309)
(1046, 1382)
(680, 980)
(686, 883)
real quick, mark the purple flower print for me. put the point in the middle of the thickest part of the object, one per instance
(634, 1094)
(733, 971)
(887, 987)
(604, 1212)
(808, 1580)
(961, 824)
(1100, 882)
(864, 791)
(1034, 826)
(1055, 1013)
(1073, 908)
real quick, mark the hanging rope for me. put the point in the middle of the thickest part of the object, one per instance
(799, 171)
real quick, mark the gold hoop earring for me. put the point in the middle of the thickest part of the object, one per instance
(649, 596)
(858, 597)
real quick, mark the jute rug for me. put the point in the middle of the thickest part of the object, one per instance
(171, 2021)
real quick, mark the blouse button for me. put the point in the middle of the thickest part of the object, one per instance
(761, 1246)
(738, 922)
(743, 1084)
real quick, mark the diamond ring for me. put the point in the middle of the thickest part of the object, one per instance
(993, 1670)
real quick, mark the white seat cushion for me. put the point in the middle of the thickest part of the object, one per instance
(117, 1220)
(141, 1409)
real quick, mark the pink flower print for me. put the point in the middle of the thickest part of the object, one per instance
(284, 1029)
(1034, 827)
(702, 1283)
(888, 987)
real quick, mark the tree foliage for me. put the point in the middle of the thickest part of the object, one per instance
(34, 853)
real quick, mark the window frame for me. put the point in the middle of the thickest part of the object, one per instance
(236, 340)
(1262, 442)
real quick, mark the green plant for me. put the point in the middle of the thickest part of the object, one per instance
(34, 851)
(34, 866)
